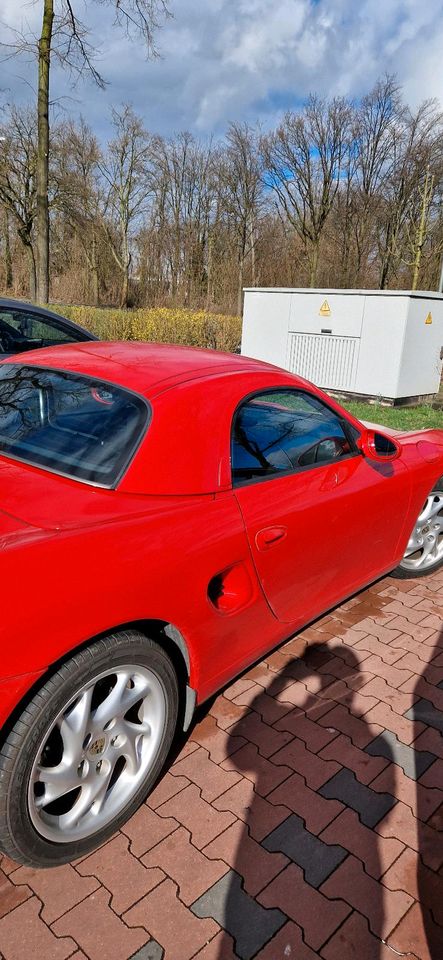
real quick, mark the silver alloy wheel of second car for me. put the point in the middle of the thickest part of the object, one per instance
(425, 546)
(97, 753)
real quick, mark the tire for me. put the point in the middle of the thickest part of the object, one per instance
(86, 750)
(429, 525)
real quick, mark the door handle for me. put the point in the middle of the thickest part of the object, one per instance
(268, 536)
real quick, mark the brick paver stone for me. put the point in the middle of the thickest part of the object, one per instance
(193, 871)
(410, 875)
(260, 815)
(202, 820)
(401, 824)
(266, 738)
(121, 872)
(354, 941)
(315, 810)
(209, 776)
(166, 788)
(426, 712)
(317, 858)
(411, 935)
(314, 769)
(98, 930)
(23, 931)
(255, 864)
(179, 932)
(220, 948)
(151, 951)
(365, 768)
(309, 908)
(11, 896)
(352, 884)
(376, 853)
(264, 774)
(59, 889)
(219, 743)
(249, 924)
(287, 944)
(413, 762)
(146, 828)
(370, 806)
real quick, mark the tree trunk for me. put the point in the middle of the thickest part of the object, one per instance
(42, 166)
(94, 275)
(8, 259)
(253, 257)
(126, 262)
(421, 230)
(95, 287)
(240, 287)
(32, 273)
(209, 274)
(313, 264)
(125, 286)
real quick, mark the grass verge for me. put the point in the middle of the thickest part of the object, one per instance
(400, 418)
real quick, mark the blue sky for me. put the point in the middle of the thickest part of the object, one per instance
(242, 59)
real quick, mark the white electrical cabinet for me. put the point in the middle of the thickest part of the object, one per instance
(380, 344)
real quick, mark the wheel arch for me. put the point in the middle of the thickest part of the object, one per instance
(165, 633)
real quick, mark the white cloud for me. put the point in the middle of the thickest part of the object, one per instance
(249, 59)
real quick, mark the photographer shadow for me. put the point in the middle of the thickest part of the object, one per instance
(308, 808)
(427, 717)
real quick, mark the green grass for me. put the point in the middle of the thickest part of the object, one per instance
(400, 418)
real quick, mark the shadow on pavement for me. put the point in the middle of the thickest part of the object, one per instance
(430, 884)
(326, 830)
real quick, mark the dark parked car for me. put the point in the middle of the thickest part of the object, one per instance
(25, 327)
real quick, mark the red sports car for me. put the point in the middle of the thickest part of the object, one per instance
(167, 516)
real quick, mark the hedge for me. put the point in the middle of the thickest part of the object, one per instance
(160, 325)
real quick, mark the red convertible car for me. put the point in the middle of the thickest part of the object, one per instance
(167, 516)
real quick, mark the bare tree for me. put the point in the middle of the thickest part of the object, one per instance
(125, 172)
(67, 37)
(241, 188)
(304, 162)
(343, 194)
(80, 194)
(376, 122)
(18, 192)
(7, 245)
(415, 147)
(184, 188)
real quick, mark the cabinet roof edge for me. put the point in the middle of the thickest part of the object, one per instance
(327, 291)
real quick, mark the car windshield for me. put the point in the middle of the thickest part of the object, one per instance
(74, 425)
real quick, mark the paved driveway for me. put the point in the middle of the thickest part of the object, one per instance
(301, 818)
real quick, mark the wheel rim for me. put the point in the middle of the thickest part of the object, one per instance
(425, 547)
(97, 753)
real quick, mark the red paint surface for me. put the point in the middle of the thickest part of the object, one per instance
(78, 561)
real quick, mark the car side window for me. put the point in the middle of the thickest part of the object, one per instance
(20, 330)
(285, 431)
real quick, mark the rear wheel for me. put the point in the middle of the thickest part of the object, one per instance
(86, 750)
(424, 552)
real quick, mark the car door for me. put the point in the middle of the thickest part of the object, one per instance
(22, 330)
(321, 519)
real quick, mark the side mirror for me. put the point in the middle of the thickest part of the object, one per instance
(377, 446)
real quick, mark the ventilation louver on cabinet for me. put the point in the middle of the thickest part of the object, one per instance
(326, 360)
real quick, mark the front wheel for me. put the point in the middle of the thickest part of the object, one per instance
(424, 552)
(86, 750)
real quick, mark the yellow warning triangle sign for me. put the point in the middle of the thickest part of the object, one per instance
(429, 318)
(325, 310)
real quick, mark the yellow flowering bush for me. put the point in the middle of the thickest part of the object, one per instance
(159, 325)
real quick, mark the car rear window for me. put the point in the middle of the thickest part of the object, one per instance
(70, 424)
